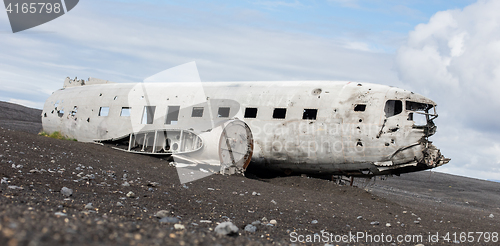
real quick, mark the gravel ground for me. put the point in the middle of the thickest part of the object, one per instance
(64, 192)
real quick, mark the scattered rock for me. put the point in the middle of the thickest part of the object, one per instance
(492, 216)
(226, 228)
(89, 206)
(273, 222)
(162, 214)
(250, 228)
(169, 220)
(119, 204)
(257, 222)
(130, 194)
(388, 224)
(416, 222)
(125, 184)
(274, 202)
(314, 222)
(60, 214)
(179, 227)
(359, 217)
(15, 187)
(66, 191)
(374, 223)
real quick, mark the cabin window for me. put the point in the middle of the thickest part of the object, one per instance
(125, 111)
(223, 112)
(148, 114)
(309, 114)
(251, 113)
(393, 107)
(197, 112)
(360, 107)
(103, 111)
(279, 113)
(172, 115)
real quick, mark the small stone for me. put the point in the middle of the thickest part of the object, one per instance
(274, 202)
(492, 216)
(254, 193)
(374, 223)
(257, 222)
(359, 217)
(179, 227)
(250, 228)
(15, 187)
(162, 214)
(226, 228)
(416, 222)
(89, 206)
(388, 224)
(60, 214)
(119, 204)
(125, 184)
(314, 222)
(273, 222)
(130, 194)
(169, 220)
(66, 191)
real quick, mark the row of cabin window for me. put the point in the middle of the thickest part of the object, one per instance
(223, 112)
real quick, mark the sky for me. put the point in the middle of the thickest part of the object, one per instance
(445, 50)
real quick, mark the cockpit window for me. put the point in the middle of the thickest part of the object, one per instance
(415, 106)
(393, 107)
(420, 113)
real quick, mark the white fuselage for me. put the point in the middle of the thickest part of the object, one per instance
(309, 126)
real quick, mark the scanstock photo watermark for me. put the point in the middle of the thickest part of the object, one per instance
(26, 14)
(366, 237)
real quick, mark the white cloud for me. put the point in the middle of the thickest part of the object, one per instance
(455, 60)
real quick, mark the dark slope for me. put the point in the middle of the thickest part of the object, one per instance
(20, 118)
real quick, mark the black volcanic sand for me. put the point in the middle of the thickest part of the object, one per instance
(33, 210)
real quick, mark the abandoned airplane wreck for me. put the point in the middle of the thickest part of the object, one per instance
(325, 127)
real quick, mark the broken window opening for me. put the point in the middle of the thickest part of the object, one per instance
(197, 112)
(172, 115)
(223, 112)
(360, 107)
(60, 112)
(393, 107)
(44, 114)
(309, 114)
(125, 111)
(148, 115)
(419, 119)
(359, 143)
(251, 113)
(279, 113)
(415, 106)
(103, 111)
(73, 112)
